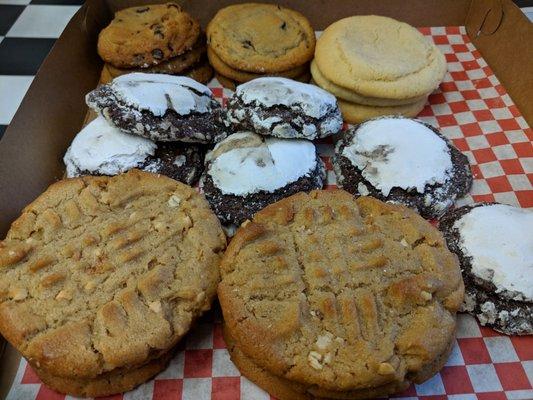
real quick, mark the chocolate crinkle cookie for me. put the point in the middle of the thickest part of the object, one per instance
(160, 107)
(404, 161)
(495, 248)
(246, 172)
(101, 149)
(179, 161)
(284, 108)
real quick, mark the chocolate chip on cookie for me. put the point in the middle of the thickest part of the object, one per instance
(160, 107)
(402, 161)
(284, 108)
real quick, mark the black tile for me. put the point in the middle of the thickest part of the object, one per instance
(2, 130)
(23, 56)
(59, 2)
(8, 16)
(524, 3)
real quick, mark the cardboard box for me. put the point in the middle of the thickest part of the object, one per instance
(53, 110)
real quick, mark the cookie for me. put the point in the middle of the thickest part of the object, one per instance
(99, 274)
(147, 35)
(404, 161)
(495, 248)
(102, 149)
(226, 82)
(378, 56)
(232, 85)
(180, 161)
(356, 113)
(160, 107)
(261, 38)
(284, 108)
(242, 76)
(174, 66)
(119, 381)
(353, 97)
(340, 294)
(201, 72)
(283, 389)
(245, 172)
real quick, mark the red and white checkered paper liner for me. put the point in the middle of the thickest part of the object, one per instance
(471, 108)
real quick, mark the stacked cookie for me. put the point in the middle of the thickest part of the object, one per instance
(100, 277)
(377, 66)
(326, 296)
(153, 122)
(270, 156)
(252, 40)
(157, 38)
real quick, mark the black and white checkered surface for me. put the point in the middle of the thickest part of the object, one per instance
(28, 30)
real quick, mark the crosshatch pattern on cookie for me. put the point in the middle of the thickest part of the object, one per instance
(471, 108)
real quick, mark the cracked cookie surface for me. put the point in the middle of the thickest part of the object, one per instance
(340, 294)
(100, 273)
(147, 35)
(261, 38)
(280, 107)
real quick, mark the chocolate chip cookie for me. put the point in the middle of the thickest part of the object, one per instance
(147, 35)
(173, 66)
(261, 38)
(495, 248)
(284, 108)
(404, 161)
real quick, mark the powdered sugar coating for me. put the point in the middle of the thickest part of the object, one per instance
(160, 92)
(259, 164)
(271, 91)
(101, 148)
(399, 152)
(499, 240)
(284, 108)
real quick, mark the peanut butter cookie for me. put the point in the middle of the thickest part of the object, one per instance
(284, 389)
(341, 295)
(103, 275)
(261, 38)
(147, 35)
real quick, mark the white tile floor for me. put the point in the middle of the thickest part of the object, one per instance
(43, 21)
(12, 90)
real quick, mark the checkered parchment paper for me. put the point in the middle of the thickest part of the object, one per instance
(471, 108)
